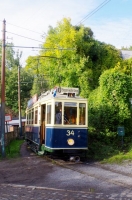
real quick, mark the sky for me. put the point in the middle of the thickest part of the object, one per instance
(28, 20)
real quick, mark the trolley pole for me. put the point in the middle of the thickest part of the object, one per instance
(19, 102)
(2, 134)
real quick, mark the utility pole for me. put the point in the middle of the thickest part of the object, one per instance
(2, 134)
(19, 102)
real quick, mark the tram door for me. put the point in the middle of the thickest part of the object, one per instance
(43, 112)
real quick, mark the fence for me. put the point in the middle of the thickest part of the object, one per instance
(11, 135)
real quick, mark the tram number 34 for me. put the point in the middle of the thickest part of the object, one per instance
(70, 132)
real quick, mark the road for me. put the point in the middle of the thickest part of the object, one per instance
(34, 177)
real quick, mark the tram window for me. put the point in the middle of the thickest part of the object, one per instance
(82, 113)
(70, 113)
(58, 112)
(29, 117)
(36, 115)
(32, 116)
(48, 114)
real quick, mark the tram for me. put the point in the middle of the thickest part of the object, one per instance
(57, 121)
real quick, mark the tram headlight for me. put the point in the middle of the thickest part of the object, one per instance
(70, 141)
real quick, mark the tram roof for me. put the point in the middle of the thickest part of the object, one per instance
(61, 93)
(57, 93)
(58, 96)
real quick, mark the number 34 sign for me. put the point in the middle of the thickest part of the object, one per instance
(70, 132)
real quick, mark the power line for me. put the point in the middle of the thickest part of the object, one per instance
(24, 47)
(39, 47)
(24, 36)
(24, 28)
(94, 11)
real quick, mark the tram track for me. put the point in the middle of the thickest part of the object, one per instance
(121, 178)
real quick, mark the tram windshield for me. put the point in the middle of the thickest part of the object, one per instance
(66, 113)
(70, 113)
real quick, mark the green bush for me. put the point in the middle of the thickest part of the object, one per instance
(108, 146)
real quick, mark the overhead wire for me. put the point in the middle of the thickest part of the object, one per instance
(24, 36)
(30, 39)
(41, 34)
(90, 14)
(24, 28)
(94, 11)
(24, 47)
(62, 49)
(85, 18)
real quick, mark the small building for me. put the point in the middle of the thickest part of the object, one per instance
(13, 125)
(126, 54)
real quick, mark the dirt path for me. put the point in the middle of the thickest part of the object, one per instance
(25, 151)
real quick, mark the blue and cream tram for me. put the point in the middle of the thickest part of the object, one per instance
(57, 121)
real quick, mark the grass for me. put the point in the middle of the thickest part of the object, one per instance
(119, 158)
(13, 149)
(107, 149)
(107, 154)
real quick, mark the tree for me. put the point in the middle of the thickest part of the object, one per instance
(109, 105)
(12, 88)
(59, 62)
(72, 57)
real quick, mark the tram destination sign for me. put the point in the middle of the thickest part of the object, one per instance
(67, 90)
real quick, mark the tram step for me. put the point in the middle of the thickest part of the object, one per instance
(40, 153)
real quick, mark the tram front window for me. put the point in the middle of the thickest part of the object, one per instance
(70, 113)
(58, 112)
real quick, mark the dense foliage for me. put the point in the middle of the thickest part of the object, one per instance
(109, 105)
(72, 57)
(26, 82)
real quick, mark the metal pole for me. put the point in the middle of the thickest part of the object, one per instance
(2, 139)
(19, 103)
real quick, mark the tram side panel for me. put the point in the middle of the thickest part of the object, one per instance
(32, 134)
